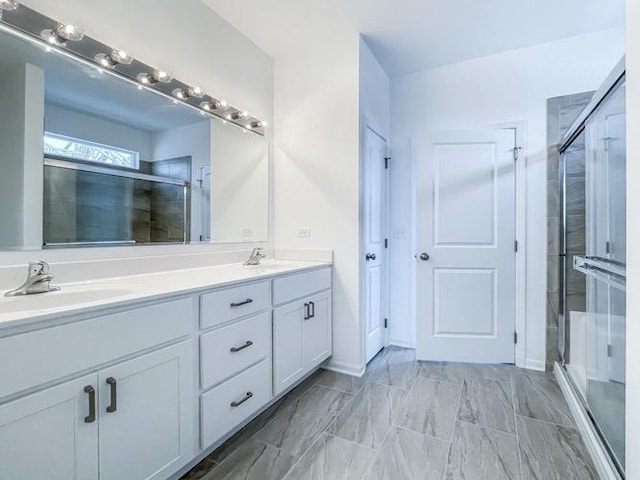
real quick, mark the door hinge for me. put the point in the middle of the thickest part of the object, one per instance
(515, 246)
(609, 350)
(515, 337)
(386, 162)
(386, 323)
(386, 243)
(516, 153)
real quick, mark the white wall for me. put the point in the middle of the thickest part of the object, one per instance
(65, 121)
(316, 173)
(509, 87)
(375, 92)
(21, 178)
(633, 241)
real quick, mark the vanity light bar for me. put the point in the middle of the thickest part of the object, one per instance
(70, 40)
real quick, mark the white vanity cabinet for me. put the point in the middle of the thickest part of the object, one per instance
(130, 420)
(302, 328)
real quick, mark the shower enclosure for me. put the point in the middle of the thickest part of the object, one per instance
(593, 259)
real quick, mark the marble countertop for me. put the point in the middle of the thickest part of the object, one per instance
(106, 293)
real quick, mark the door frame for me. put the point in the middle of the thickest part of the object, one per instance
(520, 137)
(365, 125)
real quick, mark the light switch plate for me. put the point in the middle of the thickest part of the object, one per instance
(304, 232)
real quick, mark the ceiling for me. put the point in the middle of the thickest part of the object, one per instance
(412, 35)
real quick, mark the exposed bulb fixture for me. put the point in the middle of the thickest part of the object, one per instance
(180, 93)
(190, 92)
(223, 105)
(8, 5)
(116, 57)
(237, 115)
(61, 34)
(155, 77)
(209, 106)
(256, 124)
(196, 92)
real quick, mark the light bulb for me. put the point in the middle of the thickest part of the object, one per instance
(105, 60)
(52, 37)
(70, 32)
(195, 92)
(244, 114)
(8, 5)
(162, 76)
(223, 104)
(145, 79)
(178, 92)
(120, 56)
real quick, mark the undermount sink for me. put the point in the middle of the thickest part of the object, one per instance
(67, 296)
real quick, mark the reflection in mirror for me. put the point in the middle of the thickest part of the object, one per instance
(112, 164)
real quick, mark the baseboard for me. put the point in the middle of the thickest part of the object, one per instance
(596, 449)
(346, 368)
(533, 364)
(401, 343)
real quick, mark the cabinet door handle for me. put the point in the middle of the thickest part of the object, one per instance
(239, 304)
(92, 404)
(306, 311)
(242, 347)
(114, 395)
(313, 310)
(246, 397)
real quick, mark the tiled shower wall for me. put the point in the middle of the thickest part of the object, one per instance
(561, 113)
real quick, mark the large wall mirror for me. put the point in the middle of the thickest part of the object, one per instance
(91, 159)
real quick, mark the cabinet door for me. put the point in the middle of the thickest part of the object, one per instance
(147, 415)
(45, 435)
(316, 334)
(288, 356)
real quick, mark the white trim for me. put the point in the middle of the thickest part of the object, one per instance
(401, 343)
(366, 124)
(520, 131)
(345, 368)
(534, 364)
(604, 466)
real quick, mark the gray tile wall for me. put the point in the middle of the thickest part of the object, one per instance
(561, 113)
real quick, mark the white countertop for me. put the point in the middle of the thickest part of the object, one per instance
(107, 293)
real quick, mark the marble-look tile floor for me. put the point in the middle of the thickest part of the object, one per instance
(409, 420)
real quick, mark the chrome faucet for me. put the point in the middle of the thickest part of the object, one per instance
(38, 281)
(255, 257)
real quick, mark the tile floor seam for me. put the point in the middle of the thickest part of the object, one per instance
(486, 428)
(437, 379)
(549, 423)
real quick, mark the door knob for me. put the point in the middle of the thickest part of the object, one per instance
(424, 256)
(370, 256)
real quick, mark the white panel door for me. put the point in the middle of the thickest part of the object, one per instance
(465, 236)
(50, 434)
(374, 227)
(146, 416)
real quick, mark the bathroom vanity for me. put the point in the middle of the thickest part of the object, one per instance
(141, 376)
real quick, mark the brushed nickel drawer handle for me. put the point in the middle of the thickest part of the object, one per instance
(92, 404)
(239, 304)
(114, 395)
(246, 397)
(246, 345)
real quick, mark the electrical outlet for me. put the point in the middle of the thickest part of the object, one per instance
(247, 232)
(304, 232)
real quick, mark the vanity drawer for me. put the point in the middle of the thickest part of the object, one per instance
(223, 305)
(229, 350)
(292, 287)
(219, 416)
(46, 355)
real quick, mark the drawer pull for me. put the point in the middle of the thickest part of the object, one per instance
(92, 404)
(246, 345)
(313, 310)
(307, 315)
(114, 395)
(246, 397)
(239, 304)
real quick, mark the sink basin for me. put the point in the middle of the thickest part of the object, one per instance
(66, 297)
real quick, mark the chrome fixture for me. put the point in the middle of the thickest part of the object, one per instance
(116, 57)
(61, 34)
(38, 281)
(33, 26)
(255, 257)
